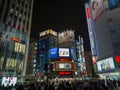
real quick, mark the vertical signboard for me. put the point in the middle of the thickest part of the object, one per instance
(90, 29)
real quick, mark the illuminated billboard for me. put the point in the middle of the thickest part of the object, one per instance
(54, 53)
(64, 65)
(65, 73)
(16, 39)
(97, 8)
(64, 52)
(19, 47)
(117, 58)
(49, 31)
(65, 36)
(8, 81)
(106, 64)
(90, 30)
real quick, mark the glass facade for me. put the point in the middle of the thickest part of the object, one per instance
(14, 36)
(13, 49)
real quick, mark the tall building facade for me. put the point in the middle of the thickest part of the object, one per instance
(47, 40)
(31, 57)
(65, 64)
(103, 26)
(15, 27)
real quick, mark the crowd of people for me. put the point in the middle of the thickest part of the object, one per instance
(67, 85)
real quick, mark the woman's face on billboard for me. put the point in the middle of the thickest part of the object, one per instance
(95, 5)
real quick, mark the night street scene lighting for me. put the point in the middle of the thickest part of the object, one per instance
(59, 45)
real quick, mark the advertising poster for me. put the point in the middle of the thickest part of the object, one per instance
(65, 36)
(97, 8)
(54, 53)
(64, 66)
(106, 64)
(64, 52)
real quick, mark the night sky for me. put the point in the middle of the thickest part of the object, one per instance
(60, 15)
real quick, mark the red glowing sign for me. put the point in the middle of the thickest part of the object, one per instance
(64, 59)
(88, 13)
(84, 72)
(15, 39)
(117, 58)
(65, 73)
(94, 60)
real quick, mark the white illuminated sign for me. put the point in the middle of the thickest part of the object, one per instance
(64, 66)
(64, 52)
(105, 64)
(19, 47)
(66, 36)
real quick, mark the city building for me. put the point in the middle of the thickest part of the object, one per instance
(81, 60)
(64, 59)
(104, 29)
(56, 54)
(15, 27)
(89, 64)
(47, 40)
(31, 57)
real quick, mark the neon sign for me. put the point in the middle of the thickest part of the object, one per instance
(65, 73)
(88, 13)
(15, 39)
(117, 58)
(64, 59)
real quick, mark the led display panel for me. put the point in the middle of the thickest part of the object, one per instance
(64, 52)
(106, 64)
(64, 66)
(54, 53)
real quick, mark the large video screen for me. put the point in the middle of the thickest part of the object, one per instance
(9, 81)
(106, 64)
(64, 52)
(64, 66)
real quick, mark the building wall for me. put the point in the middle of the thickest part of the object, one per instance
(105, 27)
(44, 45)
(113, 21)
(89, 63)
(103, 42)
(31, 58)
(15, 26)
(107, 32)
